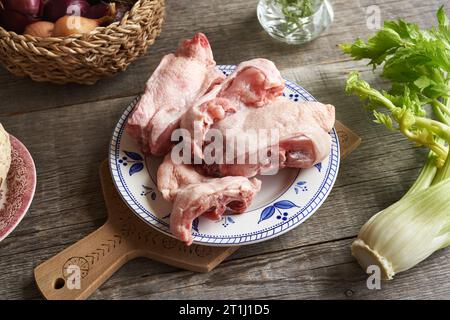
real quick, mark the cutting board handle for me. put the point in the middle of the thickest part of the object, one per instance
(80, 269)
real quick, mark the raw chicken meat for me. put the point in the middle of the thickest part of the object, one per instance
(178, 81)
(254, 83)
(187, 91)
(193, 195)
(303, 139)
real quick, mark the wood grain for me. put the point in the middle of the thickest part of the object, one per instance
(67, 129)
(319, 271)
(122, 238)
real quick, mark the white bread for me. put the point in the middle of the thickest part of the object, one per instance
(5, 154)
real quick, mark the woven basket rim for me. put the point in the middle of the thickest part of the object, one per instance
(123, 24)
(84, 58)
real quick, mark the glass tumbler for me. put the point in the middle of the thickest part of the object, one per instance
(295, 21)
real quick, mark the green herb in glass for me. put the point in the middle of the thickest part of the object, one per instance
(294, 11)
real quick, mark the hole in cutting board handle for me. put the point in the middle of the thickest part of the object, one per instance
(59, 283)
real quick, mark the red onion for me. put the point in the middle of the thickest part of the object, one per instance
(98, 10)
(17, 14)
(103, 9)
(55, 9)
(121, 9)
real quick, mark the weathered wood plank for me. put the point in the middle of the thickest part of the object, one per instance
(223, 22)
(323, 271)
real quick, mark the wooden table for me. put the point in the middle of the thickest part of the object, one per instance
(68, 128)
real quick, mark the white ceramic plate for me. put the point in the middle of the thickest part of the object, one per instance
(284, 202)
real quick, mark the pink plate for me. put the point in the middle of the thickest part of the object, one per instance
(18, 191)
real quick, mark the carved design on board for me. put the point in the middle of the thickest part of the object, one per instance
(80, 262)
(343, 138)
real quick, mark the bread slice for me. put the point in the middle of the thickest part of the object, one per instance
(5, 154)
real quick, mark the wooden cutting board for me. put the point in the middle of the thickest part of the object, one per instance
(124, 237)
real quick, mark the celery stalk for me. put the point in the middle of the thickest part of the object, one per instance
(426, 176)
(444, 172)
(416, 62)
(407, 232)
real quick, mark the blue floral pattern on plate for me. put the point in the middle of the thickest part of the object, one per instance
(133, 158)
(225, 221)
(195, 225)
(147, 190)
(269, 211)
(301, 198)
(318, 166)
(300, 186)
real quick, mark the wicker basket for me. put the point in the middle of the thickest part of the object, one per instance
(85, 58)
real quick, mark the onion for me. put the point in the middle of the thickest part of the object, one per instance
(97, 11)
(25, 7)
(70, 25)
(55, 9)
(41, 29)
(121, 9)
(15, 15)
(103, 8)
